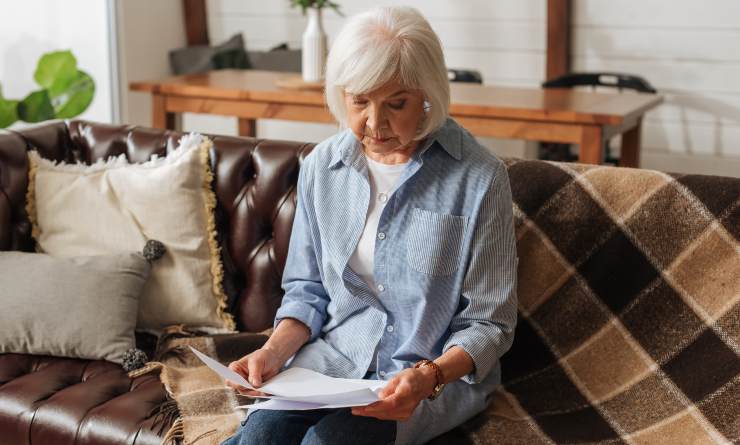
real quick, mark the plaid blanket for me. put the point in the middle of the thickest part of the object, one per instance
(629, 310)
(202, 410)
(629, 317)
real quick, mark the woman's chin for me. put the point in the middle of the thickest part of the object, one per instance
(382, 146)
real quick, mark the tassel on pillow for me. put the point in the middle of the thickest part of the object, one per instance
(135, 358)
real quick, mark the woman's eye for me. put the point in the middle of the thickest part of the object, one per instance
(359, 102)
(397, 105)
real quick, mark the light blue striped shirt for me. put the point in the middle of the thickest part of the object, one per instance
(445, 261)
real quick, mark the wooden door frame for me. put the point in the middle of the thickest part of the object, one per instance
(558, 38)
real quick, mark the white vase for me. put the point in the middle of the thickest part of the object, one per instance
(314, 48)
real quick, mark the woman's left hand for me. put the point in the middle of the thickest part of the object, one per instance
(401, 395)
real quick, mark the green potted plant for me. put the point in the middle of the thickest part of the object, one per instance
(65, 92)
(314, 48)
(316, 4)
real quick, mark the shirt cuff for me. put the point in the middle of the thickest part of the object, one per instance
(305, 313)
(481, 349)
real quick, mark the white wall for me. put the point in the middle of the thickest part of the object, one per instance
(31, 28)
(147, 31)
(690, 51)
(504, 39)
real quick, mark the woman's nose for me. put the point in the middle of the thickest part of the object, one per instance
(375, 118)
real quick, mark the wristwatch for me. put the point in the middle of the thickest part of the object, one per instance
(437, 373)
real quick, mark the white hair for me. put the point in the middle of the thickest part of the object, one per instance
(386, 44)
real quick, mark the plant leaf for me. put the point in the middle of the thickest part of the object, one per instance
(55, 71)
(74, 99)
(36, 107)
(8, 111)
(304, 4)
(335, 7)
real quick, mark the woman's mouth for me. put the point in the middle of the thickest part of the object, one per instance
(375, 140)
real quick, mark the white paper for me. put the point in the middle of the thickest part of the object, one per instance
(225, 372)
(302, 389)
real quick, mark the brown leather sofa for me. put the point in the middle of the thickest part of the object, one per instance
(48, 400)
(598, 248)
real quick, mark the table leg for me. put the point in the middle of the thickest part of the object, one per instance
(161, 118)
(591, 145)
(630, 149)
(247, 127)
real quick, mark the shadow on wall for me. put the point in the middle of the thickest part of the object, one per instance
(693, 137)
(719, 110)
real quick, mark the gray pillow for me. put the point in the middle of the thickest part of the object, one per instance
(202, 58)
(82, 307)
(286, 60)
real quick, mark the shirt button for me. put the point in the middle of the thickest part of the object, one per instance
(381, 373)
(382, 197)
(381, 235)
(381, 288)
(389, 328)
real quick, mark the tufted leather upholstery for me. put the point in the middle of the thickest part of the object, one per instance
(58, 401)
(47, 400)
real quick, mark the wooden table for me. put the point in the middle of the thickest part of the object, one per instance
(579, 117)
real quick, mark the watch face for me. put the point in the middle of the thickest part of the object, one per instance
(437, 389)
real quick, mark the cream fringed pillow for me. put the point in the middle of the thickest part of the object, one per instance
(114, 206)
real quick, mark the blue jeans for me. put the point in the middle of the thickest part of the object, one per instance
(313, 427)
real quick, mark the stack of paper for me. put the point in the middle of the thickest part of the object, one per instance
(302, 389)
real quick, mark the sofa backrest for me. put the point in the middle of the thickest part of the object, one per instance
(254, 183)
(595, 243)
(629, 283)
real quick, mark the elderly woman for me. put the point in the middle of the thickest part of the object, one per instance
(402, 260)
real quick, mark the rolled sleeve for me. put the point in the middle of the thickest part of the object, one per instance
(303, 312)
(305, 296)
(484, 324)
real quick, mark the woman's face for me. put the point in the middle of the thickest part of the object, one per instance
(387, 119)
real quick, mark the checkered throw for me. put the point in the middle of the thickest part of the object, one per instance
(629, 317)
(629, 310)
(202, 410)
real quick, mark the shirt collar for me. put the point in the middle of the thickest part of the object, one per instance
(448, 136)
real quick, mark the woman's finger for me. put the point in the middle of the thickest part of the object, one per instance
(239, 368)
(255, 372)
(268, 375)
(392, 408)
(389, 388)
(251, 392)
(390, 403)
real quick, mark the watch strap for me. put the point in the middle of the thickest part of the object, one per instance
(438, 385)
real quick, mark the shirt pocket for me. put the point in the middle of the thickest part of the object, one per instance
(435, 242)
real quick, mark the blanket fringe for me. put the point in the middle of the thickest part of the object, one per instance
(175, 434)
(146, 369)
(163, 352)
(164, 415)
(202, 436)
(176, 331)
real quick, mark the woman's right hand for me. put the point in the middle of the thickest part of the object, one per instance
(257, 367)
(264, 363)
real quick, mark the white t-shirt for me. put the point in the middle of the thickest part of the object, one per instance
(383, 182)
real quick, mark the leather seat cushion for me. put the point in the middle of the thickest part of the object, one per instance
(60, 400)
